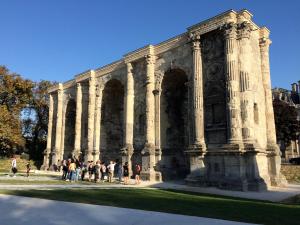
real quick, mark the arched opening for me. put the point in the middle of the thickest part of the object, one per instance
(70, 117)
(112, 114)
(173, 125)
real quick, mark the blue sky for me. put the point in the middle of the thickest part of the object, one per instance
(57, 39)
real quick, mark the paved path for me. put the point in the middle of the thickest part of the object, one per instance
(17, 210)
(274, 194)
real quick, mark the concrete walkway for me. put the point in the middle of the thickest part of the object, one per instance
(274, 194)
(17, 210)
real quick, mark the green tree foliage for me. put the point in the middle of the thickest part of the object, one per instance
(287, 125)
(23, 114)
(35, 120)
(15, 94)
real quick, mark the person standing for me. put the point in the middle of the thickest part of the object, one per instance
(126, 173)
(97, 171)
(90, 170)
(14, 166)
(137, 173)
(111, 170)
(119, 170)
(64, 169)
(28, 168)
(72, 169)
(103, 172)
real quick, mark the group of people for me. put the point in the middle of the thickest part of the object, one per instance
(74, 169)
(14, 169)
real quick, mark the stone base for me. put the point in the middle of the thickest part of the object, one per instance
(243, 184)
(153, 176)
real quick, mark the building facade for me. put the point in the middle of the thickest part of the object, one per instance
(291, 97)
(197, 106)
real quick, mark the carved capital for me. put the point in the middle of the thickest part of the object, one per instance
(78, 85)
(129, 67)
(156, 91)
(244, 30)
(194, 38)
(150, 59)
(230, 30)
(264, 43)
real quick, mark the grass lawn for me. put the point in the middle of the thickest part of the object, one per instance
(48, 182)
(178, 202)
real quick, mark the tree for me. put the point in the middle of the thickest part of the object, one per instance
(15, 94)
(287, 125)
(35, 120)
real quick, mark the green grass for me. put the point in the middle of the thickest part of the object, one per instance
(48, 182)
(177, 202)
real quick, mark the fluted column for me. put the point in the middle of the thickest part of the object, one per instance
(197, 89)
(232, 85)
(246, 84)
(57, 149)
(273, 150)
(264, 44)
(98, 105)
(157, 94)
(197, 148)
(49, 134)
(148, 159)
(127, 149)
(77, 143)
(91, 114)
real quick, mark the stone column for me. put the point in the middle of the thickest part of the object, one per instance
(274, 155)
(197, 148)
(148, 158)
(57, 148)
(96, 152)
(232, 84)
(91, 114)
(63, 127)
(246, 84)
(265, 70)
(49, 135)
(127, 149)
(157, 94)
(77, 143)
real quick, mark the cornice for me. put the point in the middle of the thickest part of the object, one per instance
(171, 43)
(109, 68)
(139, 53)
(201, 28)
(82, 76)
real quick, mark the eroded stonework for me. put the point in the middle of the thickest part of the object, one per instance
(196, 107)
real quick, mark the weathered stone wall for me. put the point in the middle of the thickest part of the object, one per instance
(258, 92)
(214, 88)
(291, 172)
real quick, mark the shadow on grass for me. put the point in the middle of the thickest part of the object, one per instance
(178, 202)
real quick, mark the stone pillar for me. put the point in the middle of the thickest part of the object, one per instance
(77, 143)
(49, 135)
(274, 155)
(157, 94)
(197, 148)
(232, 85)
(63, 127)
(57, 148)
(98, 105)
(148, 153)
(265, 70)
(91, 114)
(127, 150)
(246, 84)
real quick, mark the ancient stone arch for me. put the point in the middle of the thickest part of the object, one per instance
(191, 97)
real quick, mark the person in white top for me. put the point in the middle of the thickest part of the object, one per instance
(111, 170)
(14, 165)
